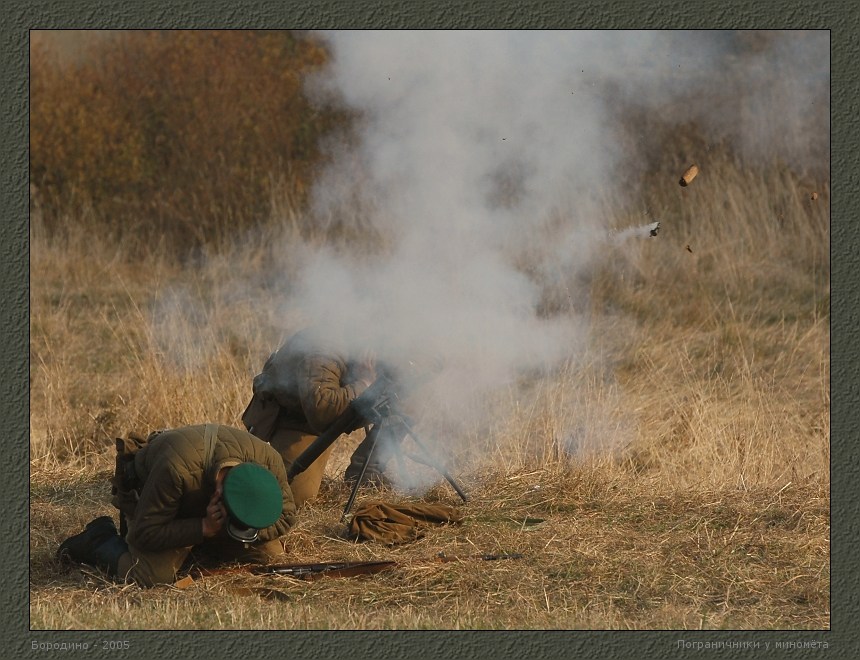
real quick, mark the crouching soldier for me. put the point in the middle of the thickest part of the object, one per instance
(208, 488)
(304, 386)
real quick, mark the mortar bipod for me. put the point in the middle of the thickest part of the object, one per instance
(425, 458)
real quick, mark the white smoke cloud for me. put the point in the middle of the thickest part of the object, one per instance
(451, 119)
(470, 141)
(176, 318)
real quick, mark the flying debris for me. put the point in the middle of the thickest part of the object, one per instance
(688, 176)
(644, 231)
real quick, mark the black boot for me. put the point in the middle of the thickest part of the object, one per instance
(98, 545)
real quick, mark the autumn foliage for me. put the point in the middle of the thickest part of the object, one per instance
(181, 134)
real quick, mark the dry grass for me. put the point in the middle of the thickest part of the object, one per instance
(675, 476)
(600, 552)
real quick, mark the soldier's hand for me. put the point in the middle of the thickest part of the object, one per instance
(363, 370)
(216, 516)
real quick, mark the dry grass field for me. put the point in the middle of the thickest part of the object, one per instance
(695, 493)
(673, 473)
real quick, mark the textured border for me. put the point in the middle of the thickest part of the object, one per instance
(22, 15)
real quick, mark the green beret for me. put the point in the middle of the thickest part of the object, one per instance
(253, 496)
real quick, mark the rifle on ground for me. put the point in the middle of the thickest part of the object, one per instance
(379, 404)
(335, 569)
(489, 557)
(308, 572)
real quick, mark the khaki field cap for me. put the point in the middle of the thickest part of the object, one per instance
(253, 499)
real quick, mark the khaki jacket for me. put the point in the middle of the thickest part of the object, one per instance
(304, 387)
(177, 486)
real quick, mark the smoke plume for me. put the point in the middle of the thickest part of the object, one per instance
(471, 141)
(471, 144)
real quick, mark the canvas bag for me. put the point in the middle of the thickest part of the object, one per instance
(398, 523)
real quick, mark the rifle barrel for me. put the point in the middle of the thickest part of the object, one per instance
(359, 411)
(347, 422)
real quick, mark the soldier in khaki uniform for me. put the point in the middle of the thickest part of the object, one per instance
(211, 488)
(304, 386)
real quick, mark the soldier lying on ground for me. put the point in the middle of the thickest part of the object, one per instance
(214, 490)
(302, 389)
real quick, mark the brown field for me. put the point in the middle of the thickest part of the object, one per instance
(713, 512)
(694, 494)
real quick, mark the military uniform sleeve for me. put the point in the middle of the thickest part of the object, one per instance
(275, 465)
(155, 526)
(322, 392)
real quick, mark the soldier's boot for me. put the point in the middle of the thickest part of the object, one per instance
(98, 545)
(379, 457)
